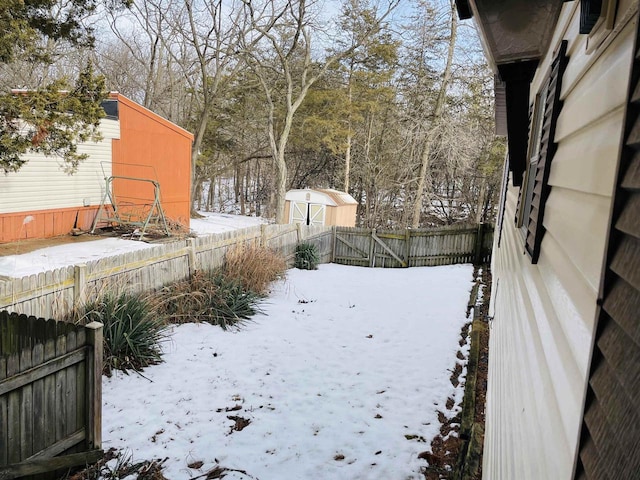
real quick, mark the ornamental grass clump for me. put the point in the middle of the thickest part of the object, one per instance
(307, 257)
(208, 297)
(254, 267)
(133, 331)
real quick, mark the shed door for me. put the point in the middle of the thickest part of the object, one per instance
(316, 214)
(298, 212)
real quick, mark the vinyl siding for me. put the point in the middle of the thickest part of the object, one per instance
(610, 436)
(523, 411)
(544, 314)
(42, 184)
(581, 160)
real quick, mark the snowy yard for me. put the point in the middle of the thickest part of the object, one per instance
(341, 378)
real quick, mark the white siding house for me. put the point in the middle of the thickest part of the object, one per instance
(43, 184)
(546, 416)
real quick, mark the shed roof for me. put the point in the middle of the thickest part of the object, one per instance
(324, 196)
(340, 198)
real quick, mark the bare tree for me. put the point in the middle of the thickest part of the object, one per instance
(285, 61)
(435, 119)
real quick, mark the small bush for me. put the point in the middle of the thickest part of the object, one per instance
(208, 297)
(307, 257)
(132, 331)
(233, 303)
(254, 267)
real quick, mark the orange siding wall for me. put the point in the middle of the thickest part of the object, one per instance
(44, 223)
(152, 147)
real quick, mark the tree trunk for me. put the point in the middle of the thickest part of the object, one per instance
(437, 119)
(195, 149)
(244, 173)
(481, 202)
(347, 153)
(281, 187)
(347, 162)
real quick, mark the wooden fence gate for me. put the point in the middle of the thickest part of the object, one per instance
(413, 248)
(50, 395)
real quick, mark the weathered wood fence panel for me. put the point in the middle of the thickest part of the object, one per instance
(413, 247)
(50, 394)
(53, 294)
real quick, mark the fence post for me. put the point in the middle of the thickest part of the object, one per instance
(94, 386)
(193, 259)
(263, 235)
(372, 247)
(477, 257)
(334, 238)
(407, 239)
(299, 231)
(79, 283)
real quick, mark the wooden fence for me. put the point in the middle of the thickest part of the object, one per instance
(413, 247)
(53, 294)
(50, 395)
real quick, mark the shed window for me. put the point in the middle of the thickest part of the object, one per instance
(541, 151)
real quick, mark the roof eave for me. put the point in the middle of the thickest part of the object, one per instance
(514, 31)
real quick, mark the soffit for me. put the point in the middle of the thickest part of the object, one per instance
(513, 30)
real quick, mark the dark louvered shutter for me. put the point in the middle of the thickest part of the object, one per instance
(540, 192)
(610, 436)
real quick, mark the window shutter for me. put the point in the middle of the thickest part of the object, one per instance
(610, 435)
(548, 147)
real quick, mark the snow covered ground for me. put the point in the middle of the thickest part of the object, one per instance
(222, 222)
(340, 379)
(59, 256)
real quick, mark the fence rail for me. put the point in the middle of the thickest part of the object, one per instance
(50, 395)
(53, 294)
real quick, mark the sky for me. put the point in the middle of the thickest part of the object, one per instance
(341, 378)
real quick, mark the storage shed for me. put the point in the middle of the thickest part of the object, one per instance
(320, 207)
(41, 200)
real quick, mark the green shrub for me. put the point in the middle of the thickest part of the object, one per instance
(307, 257)
(132, 331)
(254, 267)
(208, 297)
(232, 303)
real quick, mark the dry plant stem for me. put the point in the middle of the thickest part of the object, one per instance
(254, 267)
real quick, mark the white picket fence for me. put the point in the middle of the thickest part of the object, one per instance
(53, 294)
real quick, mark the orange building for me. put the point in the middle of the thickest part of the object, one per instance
(41, 200)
